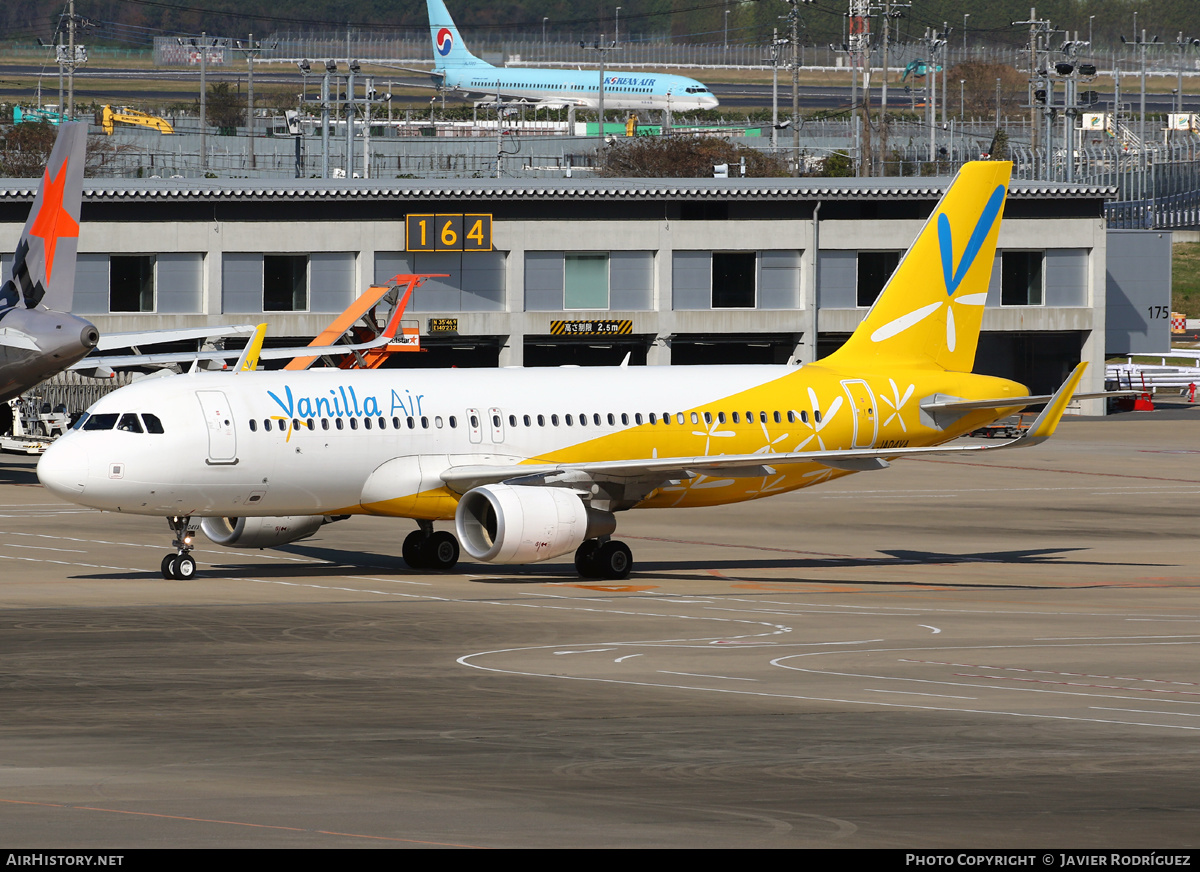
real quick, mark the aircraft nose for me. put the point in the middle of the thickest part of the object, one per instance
(709, 101)
(63, 469)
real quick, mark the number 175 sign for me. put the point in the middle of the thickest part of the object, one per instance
(448, 232)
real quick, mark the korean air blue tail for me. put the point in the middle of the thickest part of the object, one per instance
(930, 311)
(448, 47)
(42, 273)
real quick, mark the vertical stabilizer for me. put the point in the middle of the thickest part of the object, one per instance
(43, 268)
(448, 47)
(930, 311)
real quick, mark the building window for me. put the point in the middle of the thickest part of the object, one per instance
(874, 270)
(1022, 279)
(131, 283)
(285, 283)
(768, 279)
(598, 280)
(585, 281)
(733, 279)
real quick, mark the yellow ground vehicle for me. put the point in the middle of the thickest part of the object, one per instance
(109, 117)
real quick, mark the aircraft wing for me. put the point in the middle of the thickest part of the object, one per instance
(154, 337)
(663, 469)
(99, 362)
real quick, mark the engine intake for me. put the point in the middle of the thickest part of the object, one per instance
(500, 523)
(261, 532)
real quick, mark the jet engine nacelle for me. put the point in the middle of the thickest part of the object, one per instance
(500, 523)
(261, 532)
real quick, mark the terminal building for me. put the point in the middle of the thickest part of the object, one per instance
(666, 271)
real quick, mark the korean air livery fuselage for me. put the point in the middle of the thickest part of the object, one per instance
(459, 70)
(531, 464)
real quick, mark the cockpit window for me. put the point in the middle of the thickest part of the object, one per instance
(153, 425)
(130, 423)
(100, 422)
(78, 425)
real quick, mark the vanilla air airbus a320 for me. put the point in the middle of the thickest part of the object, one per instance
(532, 464)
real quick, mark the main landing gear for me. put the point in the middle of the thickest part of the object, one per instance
(180, 565)
(604, 558)
(426, 549)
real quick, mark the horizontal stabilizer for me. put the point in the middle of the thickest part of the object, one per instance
(1015, 402)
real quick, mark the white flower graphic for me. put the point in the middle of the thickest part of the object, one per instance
(897, 403)
(819, 421)
(892, 328)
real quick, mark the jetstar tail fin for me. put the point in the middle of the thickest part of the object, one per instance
(930, 311)
(42, 274)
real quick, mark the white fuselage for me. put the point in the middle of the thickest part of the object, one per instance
(330, 442)
(623, 90)
(217, 457)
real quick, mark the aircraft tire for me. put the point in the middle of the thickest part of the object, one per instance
(168, 566)
(440, 551)
(587, 562)
(185, 567)
(615, 560)
(413, 550)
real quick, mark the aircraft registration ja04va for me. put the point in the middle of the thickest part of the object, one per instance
(532, 464)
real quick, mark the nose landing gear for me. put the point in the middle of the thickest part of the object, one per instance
(180, 565)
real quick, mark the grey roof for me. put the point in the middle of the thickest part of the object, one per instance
(250, 190)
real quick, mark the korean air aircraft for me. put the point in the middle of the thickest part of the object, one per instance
(459, 70)
(38, 337)
(531, 464)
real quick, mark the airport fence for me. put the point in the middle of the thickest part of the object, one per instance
(642, 50)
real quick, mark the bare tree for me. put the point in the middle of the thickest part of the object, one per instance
(685, 157)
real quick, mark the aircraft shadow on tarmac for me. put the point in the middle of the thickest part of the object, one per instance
(337, 563)
(18, 473)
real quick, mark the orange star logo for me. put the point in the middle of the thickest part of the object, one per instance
(53, 222)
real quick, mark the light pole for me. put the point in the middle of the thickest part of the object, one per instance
(962, 99)
(251, 51)
(726, 30)
(330, 69)
(600, 47)
(617, 28)
(544, 20)
(966, 15)
(1091, 18)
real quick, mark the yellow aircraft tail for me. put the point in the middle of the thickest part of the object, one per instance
(930, 311)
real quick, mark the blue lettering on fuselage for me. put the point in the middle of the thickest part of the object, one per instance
(343, 401)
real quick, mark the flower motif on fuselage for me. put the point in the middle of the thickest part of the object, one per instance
(951, 274)
(696, 482)
(769, 447)
(817, 475)
(709, 432)
(897, 403)
(281, 419)
(819, 421)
